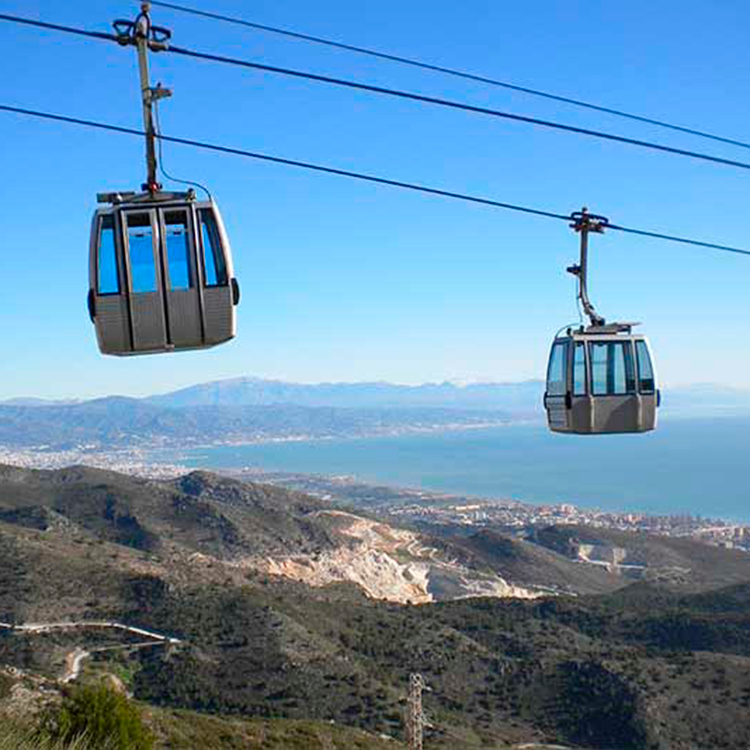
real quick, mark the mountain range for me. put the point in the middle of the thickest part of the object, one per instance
(520, 399)
(516, 397)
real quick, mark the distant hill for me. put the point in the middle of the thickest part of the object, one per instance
(252, 526)
(31, 401)
(118, 422)
(706, 399)
(519, 400)
(199, 512)
(245, 410)
(522, 399)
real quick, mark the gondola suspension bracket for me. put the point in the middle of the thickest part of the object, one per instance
(146, 37)
(583, 223)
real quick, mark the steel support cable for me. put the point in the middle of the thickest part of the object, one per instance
(57, 27)
(454, 72)
(424, 99)
(359, 176)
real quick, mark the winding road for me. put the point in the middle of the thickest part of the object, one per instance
(75, 658)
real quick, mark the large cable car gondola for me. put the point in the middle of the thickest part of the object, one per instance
(600, 378)
(160, 264)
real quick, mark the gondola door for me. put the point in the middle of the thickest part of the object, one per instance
(181, 287)
(616, 403)
(581, 403)
(145, 284)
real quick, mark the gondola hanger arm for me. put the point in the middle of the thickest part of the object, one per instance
(146, 37)
(583, 222)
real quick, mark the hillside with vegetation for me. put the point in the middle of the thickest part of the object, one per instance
(661, 665)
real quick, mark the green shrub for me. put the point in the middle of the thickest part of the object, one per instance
(104, 717)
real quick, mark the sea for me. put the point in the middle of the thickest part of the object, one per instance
(696, 466)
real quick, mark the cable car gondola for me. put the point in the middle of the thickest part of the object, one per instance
(160, 263)
(161, 276)
(600, 378)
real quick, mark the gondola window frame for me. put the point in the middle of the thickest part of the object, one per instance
(615, 383)
(156, 278)
(113, 253)
(580, 373)
(216, 275)
(193, 281)
(552, 390)
(643, 355)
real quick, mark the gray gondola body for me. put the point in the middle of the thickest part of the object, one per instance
(590, 396)
(161, 315)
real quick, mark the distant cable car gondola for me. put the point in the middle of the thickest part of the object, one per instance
(160, 263)
(600, 378)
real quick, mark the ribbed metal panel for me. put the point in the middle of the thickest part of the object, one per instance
(557, 416)
(185, 318)
(149, 329)
(219, 314)
(111, 321)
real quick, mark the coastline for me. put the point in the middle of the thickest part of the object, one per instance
(498, 464)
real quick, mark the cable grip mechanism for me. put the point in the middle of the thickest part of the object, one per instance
(128, 32)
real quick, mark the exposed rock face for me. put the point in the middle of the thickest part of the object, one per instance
(376, 572)
(388, 563)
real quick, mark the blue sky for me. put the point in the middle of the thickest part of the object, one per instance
(349, 281)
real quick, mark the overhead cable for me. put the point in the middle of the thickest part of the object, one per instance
(424, 99)
(452, 72)
(57, 27)
(358, 176)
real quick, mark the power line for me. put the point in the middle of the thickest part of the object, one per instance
(359, 176)
(413, 97)
(288, 162)
(453, 72)
(57, 27)
(673, 238)
(424, 99)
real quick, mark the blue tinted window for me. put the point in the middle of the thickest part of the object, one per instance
(598, 353)
(556, 385)
(629, 368)
(579, 370)
(611, 368)
(617, 355)
(178, 250)
(108, 282)
(213, 255)
(646, 382)
(141, 249)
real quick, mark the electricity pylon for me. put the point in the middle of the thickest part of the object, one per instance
(415, 717)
